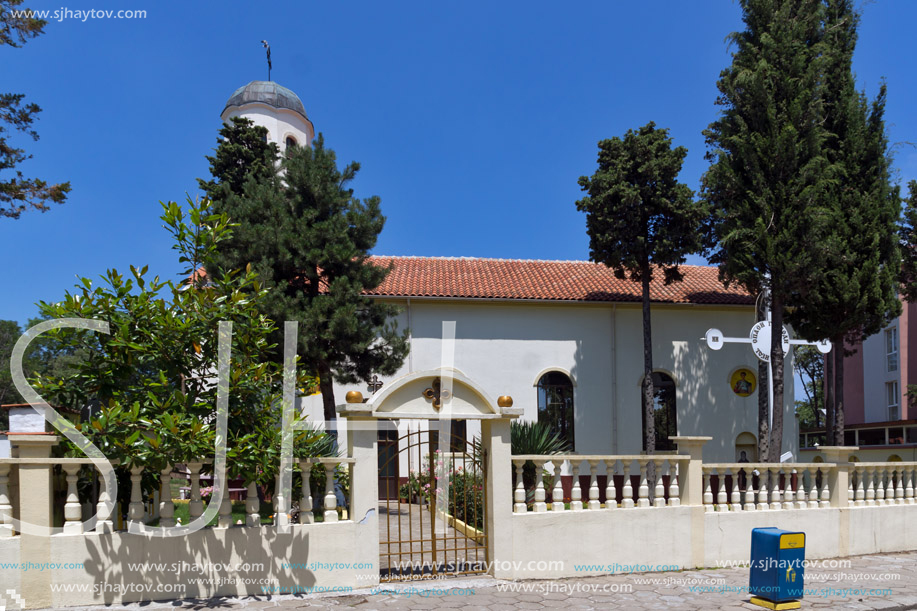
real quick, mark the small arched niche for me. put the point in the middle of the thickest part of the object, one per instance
(746, 447)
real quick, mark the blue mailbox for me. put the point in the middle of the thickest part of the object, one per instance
(777, 568)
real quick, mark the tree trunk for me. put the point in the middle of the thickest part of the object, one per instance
(326, 386)
(829, 396)
(763, 386)
(777, 361)
(815, 401)
(649, 431)
(839, 393)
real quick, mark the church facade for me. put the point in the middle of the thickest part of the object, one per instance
(564, 339)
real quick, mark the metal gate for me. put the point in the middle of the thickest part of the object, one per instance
(435, 525)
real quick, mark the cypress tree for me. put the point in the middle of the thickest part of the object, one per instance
(767, 179)
(908, 241)
(639, 217)
(853, 295)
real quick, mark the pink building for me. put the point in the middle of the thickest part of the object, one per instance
(876, 378)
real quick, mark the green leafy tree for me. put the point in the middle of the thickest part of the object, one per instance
(308, 238)
(767, 182)
(45, 356)
(809, 363)
(854, 295)
(639, 217)
(17, 192)
(153, 376)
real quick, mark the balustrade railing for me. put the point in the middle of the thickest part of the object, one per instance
(629, 481)
(581, 482)
(138, 509)
(882, 483)
(764, 486)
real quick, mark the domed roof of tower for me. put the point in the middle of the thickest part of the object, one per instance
(267, 92)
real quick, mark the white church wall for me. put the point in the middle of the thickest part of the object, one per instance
(505, 346)
(706, 404)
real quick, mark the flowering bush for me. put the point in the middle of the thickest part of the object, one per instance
(466, 497)
(465, 492)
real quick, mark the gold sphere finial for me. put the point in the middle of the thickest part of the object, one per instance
(505, 401)
(354, 396)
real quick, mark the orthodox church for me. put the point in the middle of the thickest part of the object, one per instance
(564, 339)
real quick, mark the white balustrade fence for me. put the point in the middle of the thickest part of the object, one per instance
(139, 507)
(629, 481)
(764, 486)
(568, 482)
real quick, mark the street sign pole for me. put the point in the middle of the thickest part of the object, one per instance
(760, 339)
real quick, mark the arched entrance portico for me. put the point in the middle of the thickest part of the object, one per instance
(434, 502)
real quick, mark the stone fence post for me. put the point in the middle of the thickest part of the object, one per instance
(35, 507)
(692, 481)
(839, 478)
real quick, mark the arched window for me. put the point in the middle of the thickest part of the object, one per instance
(555, 405)
(665, 421)
(291, 141)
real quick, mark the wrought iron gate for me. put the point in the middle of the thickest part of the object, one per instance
(435, 525)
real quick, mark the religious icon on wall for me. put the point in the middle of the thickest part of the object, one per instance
(743, 382)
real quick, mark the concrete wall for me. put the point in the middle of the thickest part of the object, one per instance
(187, 563)
(506, 346)
(688, 538)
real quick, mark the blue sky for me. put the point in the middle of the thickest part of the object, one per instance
(472, 120)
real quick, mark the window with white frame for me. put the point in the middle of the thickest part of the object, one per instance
(891, 389)
(891, 349)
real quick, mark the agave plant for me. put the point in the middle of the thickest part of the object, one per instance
(534, 438)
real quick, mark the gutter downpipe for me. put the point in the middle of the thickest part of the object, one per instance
(614, 379)
(410, 340)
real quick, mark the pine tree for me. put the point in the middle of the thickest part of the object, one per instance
(766, 182)
(243, 152)
(308, 238)
(854, 295)
(18, 193)
(639, 217)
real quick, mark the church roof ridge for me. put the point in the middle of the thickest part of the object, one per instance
(544, 280)
(508, 260)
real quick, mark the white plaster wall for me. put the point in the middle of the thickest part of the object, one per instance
(664, 536)
(625, 537)
(106, 560)
(279, 123)
(505, 345)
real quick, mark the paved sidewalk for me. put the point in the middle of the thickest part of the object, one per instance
(883, 581)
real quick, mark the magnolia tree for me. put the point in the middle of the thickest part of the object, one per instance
(149, 386)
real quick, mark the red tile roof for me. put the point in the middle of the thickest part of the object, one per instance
(470, 278)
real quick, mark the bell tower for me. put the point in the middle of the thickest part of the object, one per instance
(275, 108)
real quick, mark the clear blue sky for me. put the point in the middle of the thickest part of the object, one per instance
(472, 120)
